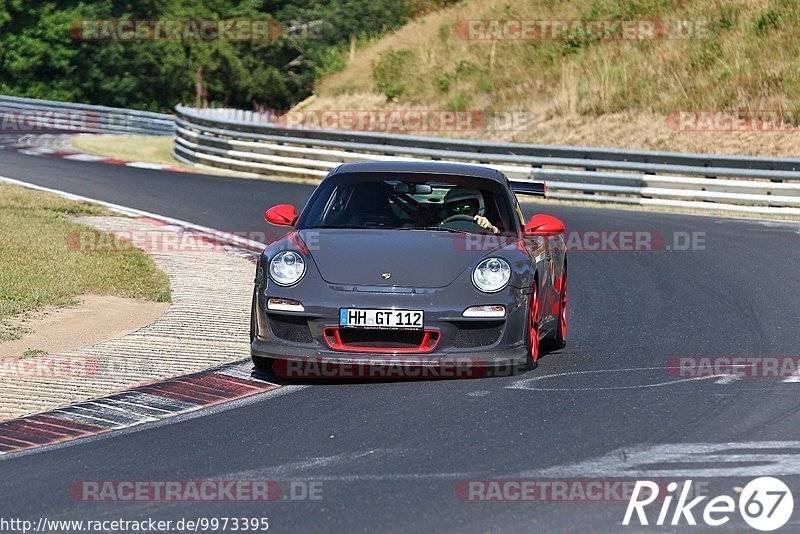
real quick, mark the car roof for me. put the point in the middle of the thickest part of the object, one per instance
(422, 167)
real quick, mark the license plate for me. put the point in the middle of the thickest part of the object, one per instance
(362, 318)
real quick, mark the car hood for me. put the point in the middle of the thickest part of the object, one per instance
(414, 258)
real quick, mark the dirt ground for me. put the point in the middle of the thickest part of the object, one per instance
(95, 319)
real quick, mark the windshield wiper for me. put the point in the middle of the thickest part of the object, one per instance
(337, 226)
(440, 229)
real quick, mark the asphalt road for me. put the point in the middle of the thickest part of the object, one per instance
(390, 454)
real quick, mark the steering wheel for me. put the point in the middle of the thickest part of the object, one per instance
(459, 218)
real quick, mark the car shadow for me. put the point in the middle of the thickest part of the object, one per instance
(348, 374)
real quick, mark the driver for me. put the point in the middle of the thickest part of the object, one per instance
(468, 202)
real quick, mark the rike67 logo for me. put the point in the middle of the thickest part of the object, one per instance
(766, 504)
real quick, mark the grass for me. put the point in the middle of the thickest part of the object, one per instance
(149, 148)
(38, 268)
(145, 148)
(742, 57)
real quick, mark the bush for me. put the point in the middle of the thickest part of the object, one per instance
(459, 102)
(40, 58)
(766, 21)
(389, 72)
(444, 82)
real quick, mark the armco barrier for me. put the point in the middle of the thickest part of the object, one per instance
(26, 115)
(239, 140)
(235, 139)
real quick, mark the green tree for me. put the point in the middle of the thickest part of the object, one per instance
(41, 58)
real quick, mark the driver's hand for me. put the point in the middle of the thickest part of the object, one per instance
(483, 222)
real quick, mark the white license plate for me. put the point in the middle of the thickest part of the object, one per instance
(361, 318)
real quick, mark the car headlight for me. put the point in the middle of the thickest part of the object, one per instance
(491, 275)
(287, 268)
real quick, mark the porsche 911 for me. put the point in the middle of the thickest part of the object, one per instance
(391, 261)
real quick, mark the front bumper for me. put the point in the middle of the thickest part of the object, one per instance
(485, 358)
(307, 335)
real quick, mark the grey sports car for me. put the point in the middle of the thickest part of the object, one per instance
(412, 263)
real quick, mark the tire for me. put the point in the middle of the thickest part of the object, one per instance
(559, 341)
(532, 333)
(264, 364)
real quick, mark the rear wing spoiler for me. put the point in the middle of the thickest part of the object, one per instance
(538, 189)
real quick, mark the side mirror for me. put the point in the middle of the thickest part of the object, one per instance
(281, 215)
(545, 225)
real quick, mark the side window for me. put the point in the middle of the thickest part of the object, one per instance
(497, 210)
(336, 204)
(491, 211)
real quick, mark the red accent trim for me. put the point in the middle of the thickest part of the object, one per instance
(281, 215)
(533, 335)
(546, 225)
(430, 340)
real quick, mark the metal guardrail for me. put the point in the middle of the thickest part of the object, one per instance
(236, 139)
(27, 115)
(696, 181)
(239, 116)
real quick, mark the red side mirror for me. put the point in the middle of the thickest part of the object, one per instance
(281, 215)
(544, 225)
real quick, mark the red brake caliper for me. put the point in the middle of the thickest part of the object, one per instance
(534, 328)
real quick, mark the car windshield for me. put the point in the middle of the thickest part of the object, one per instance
(410, 202)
